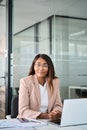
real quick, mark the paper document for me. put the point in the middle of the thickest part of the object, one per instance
(9, 123)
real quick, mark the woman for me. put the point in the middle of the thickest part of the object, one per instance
(39, 95)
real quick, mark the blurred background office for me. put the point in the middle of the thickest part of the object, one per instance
(55, 27)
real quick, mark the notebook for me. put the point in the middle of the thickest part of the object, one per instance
(74, 112)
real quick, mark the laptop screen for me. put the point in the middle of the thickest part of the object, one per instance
(74, 112)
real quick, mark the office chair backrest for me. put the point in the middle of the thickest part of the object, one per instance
(14, 106)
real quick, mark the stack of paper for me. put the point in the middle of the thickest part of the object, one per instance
(13, 123)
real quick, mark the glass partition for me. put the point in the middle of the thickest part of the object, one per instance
(64, 39)
(2, 57)
(71, 53)
(23, 51)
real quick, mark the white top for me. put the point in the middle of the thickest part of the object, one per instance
(44, 98)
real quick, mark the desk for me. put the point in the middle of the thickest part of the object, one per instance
(75, 87)
(55, 127)
(48, 126)
(51, 127)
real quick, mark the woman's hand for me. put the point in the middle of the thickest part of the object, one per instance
(43, 116)
(55, 115)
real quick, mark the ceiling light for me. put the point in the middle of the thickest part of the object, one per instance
(77, 33)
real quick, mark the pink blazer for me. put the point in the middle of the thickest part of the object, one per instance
(29, 97)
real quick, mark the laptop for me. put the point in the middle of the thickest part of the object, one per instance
(74, 112)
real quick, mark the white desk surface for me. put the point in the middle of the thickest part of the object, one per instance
(43, 126)
(51, 127)
(55, 127)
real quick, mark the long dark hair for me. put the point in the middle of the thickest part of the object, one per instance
(51, 71)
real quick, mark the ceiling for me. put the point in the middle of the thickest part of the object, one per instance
(29, 12)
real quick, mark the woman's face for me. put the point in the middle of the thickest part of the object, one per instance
(41, 68)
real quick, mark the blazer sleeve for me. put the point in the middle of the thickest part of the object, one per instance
(24, 101)
(58, 102)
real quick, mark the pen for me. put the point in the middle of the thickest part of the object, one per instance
(24, 120)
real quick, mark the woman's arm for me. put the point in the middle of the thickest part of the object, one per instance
(24, 101)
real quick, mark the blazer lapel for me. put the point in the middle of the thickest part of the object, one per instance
(49, 97)
(37, 89)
